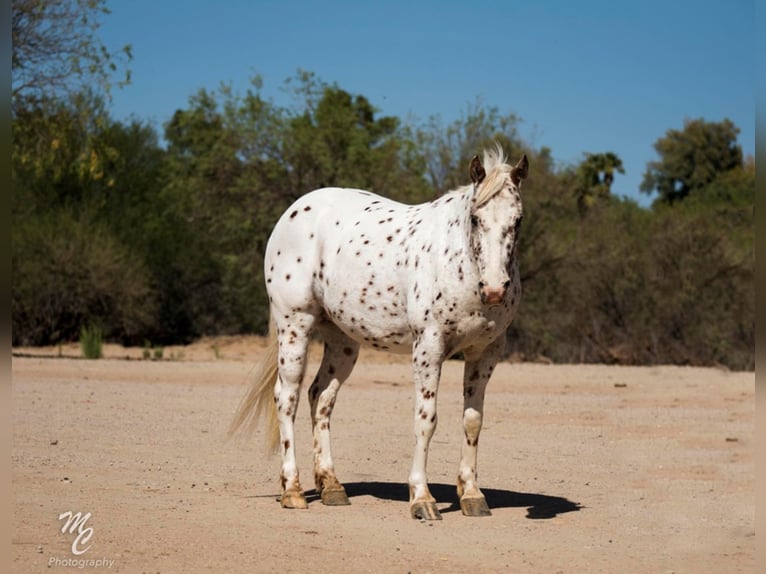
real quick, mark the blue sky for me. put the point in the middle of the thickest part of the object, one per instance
(586, 76)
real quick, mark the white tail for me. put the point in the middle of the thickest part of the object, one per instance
(260, 397)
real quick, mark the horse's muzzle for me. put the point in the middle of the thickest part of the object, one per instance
(493, 295)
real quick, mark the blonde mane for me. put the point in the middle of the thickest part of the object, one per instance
(498, 175)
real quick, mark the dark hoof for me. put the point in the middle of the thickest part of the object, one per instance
(293, 500)
(335, 497)
(475, 507)
(425, 511)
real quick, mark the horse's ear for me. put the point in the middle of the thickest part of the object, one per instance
(520, 171)
(477, 170)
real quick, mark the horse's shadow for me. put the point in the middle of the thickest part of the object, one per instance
(539, 506)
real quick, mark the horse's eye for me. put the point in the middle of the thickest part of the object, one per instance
(474, 221)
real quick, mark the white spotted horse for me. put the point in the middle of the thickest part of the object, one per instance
(432, 280)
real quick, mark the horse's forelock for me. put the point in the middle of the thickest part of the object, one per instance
(498, 170)
(494, 157)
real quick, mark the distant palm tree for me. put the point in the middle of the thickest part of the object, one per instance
(594, 178)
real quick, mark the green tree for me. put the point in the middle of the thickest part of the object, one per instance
(57, 156)
(692, 158)
(84, 209)
(226, 180)
(449, 149)
(237, 161)
(334, 138)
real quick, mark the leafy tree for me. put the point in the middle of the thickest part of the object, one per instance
(57, 156)
(73, 166)
(335, 138)
(56, 50)
(223, 181)
(237, 161)
(546, 245)
(692, 158)
(448, 149)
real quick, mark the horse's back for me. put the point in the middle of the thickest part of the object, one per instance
(307, 237)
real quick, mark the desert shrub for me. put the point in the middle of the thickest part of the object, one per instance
(91, 342)
(69, 273)
(674, 285)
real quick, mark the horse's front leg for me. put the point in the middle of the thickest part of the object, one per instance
(427, 357)
(475, 378)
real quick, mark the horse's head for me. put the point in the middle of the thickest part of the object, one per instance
(495, 219)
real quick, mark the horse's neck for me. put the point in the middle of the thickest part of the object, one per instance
(452, 220)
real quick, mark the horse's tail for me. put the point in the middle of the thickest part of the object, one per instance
(259, 399)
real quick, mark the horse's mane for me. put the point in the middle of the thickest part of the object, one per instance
(498, 171)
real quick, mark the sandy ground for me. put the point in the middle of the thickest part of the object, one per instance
(586, 469)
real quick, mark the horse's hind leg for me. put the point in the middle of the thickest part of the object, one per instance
(293, 334)
(340, 353)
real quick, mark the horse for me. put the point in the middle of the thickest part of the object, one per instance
(433, 280)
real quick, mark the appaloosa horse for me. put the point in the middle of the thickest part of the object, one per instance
(432, 279)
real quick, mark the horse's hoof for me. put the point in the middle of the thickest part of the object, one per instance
(475, 507)
(293, 500)
(425, 511)
(335, 497)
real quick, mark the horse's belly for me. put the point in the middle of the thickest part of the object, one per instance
(361, 293)
(371, 322)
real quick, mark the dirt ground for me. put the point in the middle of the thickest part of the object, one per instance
(586, 469)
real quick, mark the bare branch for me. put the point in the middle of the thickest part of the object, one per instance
(56, 49)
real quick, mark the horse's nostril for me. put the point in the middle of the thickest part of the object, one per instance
(481, 284)
(507, 284)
